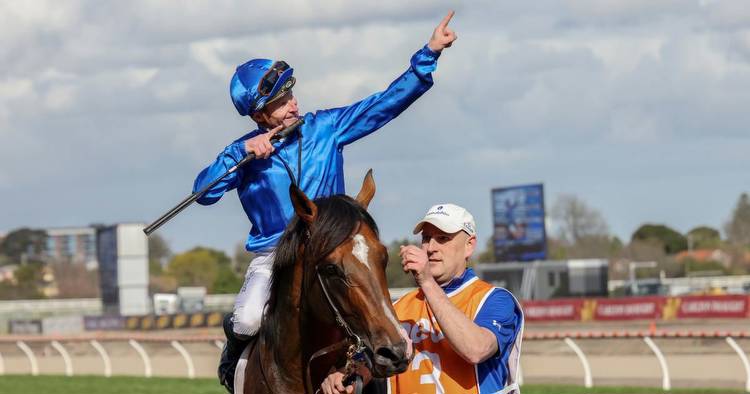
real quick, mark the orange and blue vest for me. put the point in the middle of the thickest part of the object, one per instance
(436, 367)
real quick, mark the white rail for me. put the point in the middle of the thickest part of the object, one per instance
(66, 357)
(30, 355)
(144, 356)
(105, 357)
(665, 382)
(588, 382)
(215, 343)
(743, 358)
(186, 356)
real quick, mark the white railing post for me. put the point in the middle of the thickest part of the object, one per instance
(30, 355)
(105, 357)
(186, 356)
(587, 379)
(219, 344)
(2, 365)
(66, 357)
(665, 383)
(144, 356)
(743, 358)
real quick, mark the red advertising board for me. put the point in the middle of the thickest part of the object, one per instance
(725, 306)
(628, 308)
(552, 310)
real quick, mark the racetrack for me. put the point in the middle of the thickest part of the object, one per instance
(130, 385)
(692, 361)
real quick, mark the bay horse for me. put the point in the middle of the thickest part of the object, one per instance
(329, 299)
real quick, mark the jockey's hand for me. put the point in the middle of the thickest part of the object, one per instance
(414, 260)
(334, 384)
(443, 36)
(261, 143)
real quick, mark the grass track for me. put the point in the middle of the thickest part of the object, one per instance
(24, 384)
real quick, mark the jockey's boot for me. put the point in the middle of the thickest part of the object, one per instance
(233, 349)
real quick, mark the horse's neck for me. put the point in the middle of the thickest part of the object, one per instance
(282, 355)
(300, 334)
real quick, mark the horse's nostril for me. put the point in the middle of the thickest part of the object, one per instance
(388, 354)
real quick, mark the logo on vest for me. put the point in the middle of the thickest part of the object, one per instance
(422, 330)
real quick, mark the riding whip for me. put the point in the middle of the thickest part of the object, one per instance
(193, 197)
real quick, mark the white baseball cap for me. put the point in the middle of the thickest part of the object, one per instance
(449, 218)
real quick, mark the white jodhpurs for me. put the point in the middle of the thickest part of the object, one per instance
(251, 300)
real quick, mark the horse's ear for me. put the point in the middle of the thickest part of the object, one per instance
(305, 209)
(367, 191)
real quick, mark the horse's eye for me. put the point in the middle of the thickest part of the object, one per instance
(331, 269)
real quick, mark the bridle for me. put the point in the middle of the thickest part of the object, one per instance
(356, 356)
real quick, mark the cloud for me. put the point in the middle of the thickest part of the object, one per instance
(108, 110)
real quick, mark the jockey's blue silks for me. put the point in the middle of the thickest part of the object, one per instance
(263, 184)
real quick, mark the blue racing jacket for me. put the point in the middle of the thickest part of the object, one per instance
(263, 185)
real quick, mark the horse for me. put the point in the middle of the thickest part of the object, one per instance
(329, 301)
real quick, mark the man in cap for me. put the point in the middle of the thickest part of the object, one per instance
(465, 332)
(312, 158)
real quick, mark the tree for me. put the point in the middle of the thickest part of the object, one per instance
(672, 241)
(577, 220)
(488, 254)
(23, 245)
(738, 227)
(704, 237)
(583, 231)
(28, 281)
(197, 267)
(242, 258)
(159, 252)
(394, 273)
(73, 280)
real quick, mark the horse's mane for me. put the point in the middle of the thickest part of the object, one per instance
(337, 218)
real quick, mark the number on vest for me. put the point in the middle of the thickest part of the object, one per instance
(434, 376)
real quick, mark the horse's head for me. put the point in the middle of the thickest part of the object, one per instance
(344, 258)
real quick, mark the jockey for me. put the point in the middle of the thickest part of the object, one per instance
(262, 89)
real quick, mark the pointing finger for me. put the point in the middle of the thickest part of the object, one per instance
(444, 23)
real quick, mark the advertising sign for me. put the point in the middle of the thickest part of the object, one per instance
(518, 216)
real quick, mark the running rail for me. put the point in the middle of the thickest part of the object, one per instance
(743, 358)
(587, 380)
(665, 382)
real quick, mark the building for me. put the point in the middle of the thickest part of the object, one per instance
(543, 280)
(123, 269)
(72, 245)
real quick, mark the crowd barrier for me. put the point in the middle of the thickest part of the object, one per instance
(635, 308)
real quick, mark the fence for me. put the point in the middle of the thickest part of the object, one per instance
(200, 362)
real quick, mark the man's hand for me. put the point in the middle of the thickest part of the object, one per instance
(334, 384)
(415, 260)
(260, 145)
(443, 36)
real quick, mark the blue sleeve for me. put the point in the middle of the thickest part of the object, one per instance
(228, 158)
(500, 314)
(362, 118)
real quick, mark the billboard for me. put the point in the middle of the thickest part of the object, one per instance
(518, 217)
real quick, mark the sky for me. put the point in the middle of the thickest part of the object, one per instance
(108, 110)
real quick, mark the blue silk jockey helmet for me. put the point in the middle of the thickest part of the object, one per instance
(258, 83)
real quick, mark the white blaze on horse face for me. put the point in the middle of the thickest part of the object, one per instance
(360, 250)
(399, 328)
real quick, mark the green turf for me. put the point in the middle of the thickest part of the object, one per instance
(23, 384)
